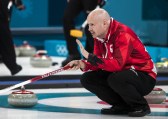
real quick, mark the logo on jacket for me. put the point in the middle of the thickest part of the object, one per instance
(111, 48)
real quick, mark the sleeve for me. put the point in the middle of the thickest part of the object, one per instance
(122, 50)
(97, 52)
(89, 66)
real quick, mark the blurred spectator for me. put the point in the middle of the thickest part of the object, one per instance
(73, 9)
(6, 43)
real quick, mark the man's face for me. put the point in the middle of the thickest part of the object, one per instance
(96, 27)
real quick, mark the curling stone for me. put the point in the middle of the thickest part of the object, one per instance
(17, 51)
(156, 96)
(41, 59)
(22, 98)
(164, 59)
(27, 50)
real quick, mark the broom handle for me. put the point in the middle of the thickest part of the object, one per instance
(34, 79)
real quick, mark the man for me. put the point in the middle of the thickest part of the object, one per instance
(73, 9)
(7, 51)
(122, 72)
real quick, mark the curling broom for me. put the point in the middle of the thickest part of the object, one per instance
(34, 79)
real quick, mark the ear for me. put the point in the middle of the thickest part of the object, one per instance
(105, 22)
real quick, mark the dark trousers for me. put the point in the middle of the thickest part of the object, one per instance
(7, 46)
(120, 88)
(7, 50)
(73, 9)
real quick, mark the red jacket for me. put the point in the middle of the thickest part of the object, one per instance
(121, 49)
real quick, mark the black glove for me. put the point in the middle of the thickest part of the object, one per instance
(101, 3)
(94, 60)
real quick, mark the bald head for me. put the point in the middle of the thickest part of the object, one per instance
(99, 22)
(99, 14)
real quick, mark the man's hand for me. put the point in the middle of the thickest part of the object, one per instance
(21, 7)
(19, 4)
(76, 64)
(82, 49)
